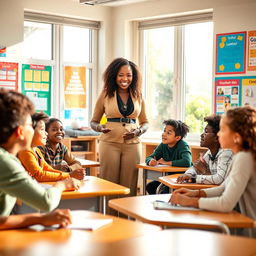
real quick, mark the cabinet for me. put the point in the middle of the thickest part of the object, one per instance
(84, 147)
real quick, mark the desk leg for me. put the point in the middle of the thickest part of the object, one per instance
(164, 174)
(103, 204)
(145, 176)
(87, 171)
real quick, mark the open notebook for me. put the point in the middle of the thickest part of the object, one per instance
(79, 221)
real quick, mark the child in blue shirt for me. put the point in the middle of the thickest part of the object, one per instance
(173, 150)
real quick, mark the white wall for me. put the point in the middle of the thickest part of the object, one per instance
(228, 16)
(12, 18)
(11, 29)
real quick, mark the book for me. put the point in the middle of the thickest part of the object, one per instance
(81, 221)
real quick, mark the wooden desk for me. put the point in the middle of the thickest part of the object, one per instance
(70, 242)
(170, 181)
(93, 187)
(88, 164)
(91, 195)
(183, 243)
(156, 172)
(141, 208)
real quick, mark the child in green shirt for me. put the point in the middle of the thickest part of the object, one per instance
(173, 151)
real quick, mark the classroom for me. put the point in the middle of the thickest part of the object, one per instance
(189, 59)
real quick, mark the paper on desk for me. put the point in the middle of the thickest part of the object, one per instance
(81, 221)
(161, 165)
(160, 205)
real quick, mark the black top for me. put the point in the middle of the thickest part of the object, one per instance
(125, 109)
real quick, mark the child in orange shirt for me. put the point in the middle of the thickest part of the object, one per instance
(33, 160)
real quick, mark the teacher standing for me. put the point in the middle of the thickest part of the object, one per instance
(122, 103)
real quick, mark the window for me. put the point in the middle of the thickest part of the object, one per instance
(69, 47)
(37, 40)
(176, 59)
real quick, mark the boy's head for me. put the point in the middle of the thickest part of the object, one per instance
(15, 116)
(40, 135)
(174, 131)
(54, 128)
(209, 136)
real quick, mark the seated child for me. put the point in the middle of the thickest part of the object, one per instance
(212, 167)
(237, 132)
(54, 151)
(16, 134)
(173, 151)
(33, 160)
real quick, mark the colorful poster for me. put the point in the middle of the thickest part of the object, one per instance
(2, 51)
(249, 91)
(9, 75)
(75, 91)
(230, 53)
(36, 84)
(234, 92)
(251, 51)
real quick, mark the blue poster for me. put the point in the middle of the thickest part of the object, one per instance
(230, 55)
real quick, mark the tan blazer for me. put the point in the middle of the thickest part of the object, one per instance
(109, 106)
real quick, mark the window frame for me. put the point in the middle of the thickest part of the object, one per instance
(179, 81)
(57, 63)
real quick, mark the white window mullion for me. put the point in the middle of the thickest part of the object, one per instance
(178, 74)
(55, 77)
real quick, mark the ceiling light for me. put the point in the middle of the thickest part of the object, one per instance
(94, 2)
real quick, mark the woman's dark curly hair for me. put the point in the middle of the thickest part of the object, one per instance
(14, 108)
(110, 75)
(243, 121)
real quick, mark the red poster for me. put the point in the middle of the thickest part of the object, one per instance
(9, 75)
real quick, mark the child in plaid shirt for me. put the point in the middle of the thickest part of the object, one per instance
(212, 167)
(55, 153)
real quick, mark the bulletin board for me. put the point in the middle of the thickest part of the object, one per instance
(234, 92)
(230, 53)
(36, 84)
(9, 75)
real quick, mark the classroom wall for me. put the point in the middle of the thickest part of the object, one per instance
(228, 16)
(12, 17)
(117, 37)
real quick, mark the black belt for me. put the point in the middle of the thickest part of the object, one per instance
(122, 120)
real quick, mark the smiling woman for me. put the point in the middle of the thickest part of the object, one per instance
(122, 103)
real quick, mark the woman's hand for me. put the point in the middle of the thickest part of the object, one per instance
(102, 128)
(61, 217)
(78, 174)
